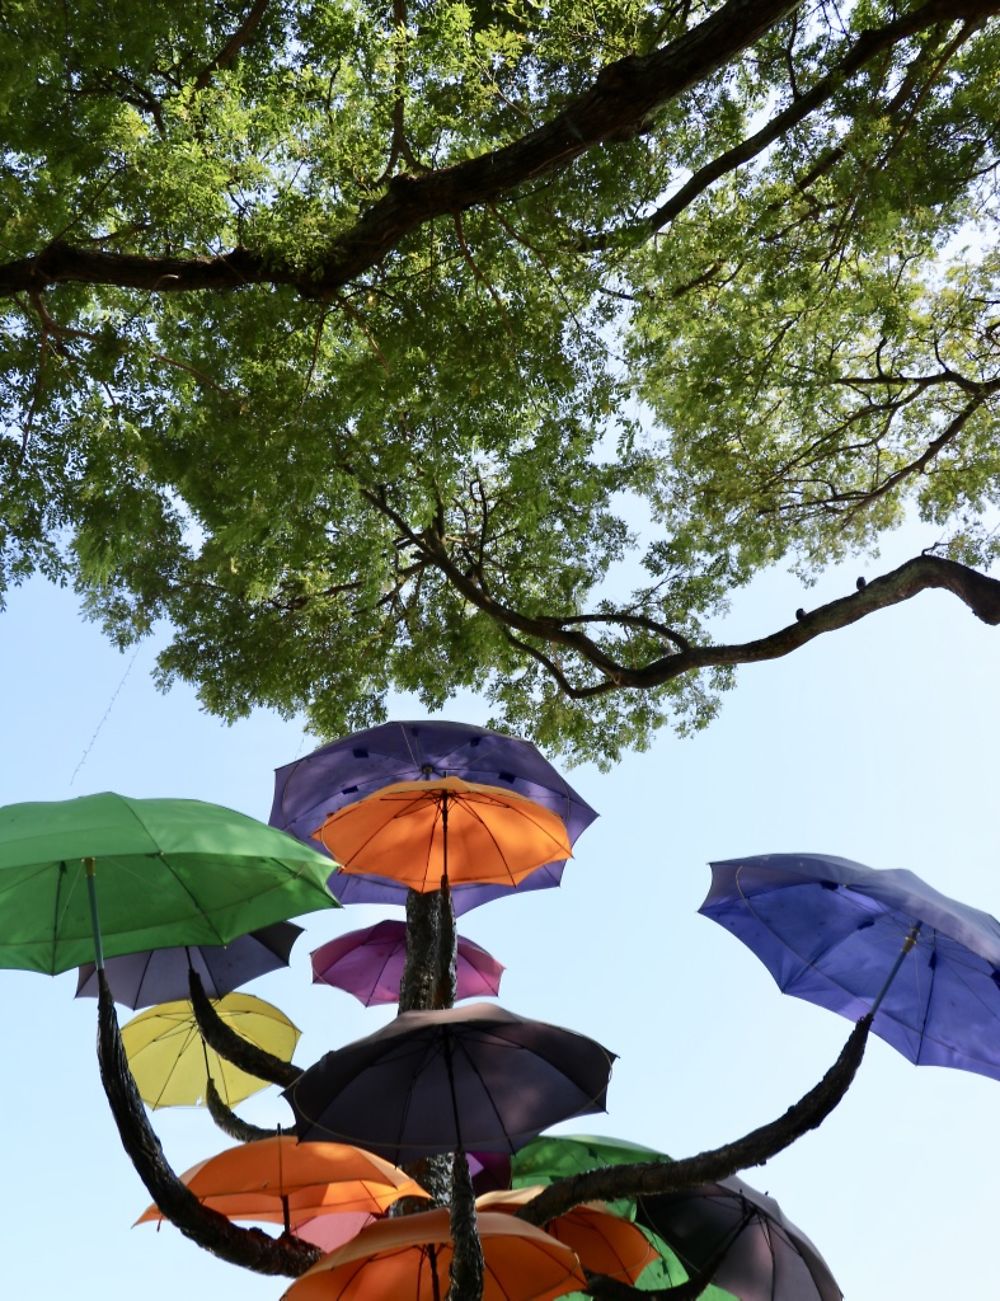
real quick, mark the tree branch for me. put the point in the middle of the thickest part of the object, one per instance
(755, 1148)
(232, 47)
(247, 1056)
(228, 1121)
(251, 1248)
(618, 105)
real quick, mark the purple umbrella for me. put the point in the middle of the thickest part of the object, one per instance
(475, 1078)
(161, 975)
(309, 789)
(854, 939)
(765, 1257)
(369, 964)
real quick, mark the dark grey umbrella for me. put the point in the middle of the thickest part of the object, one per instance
(477, 1078)
(764, 1257)
(161, 975)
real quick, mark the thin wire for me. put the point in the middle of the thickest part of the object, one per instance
(107, 712)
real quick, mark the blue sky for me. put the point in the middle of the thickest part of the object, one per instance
(876, 743)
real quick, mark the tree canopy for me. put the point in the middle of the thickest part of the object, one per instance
(493, 345)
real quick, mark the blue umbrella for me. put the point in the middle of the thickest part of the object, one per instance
(854, 939)
(345, 771)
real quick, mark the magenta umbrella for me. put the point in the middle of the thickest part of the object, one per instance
(369, 964)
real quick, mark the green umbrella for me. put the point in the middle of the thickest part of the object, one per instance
(550, 1157)
(171, 872)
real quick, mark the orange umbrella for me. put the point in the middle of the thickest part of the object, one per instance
(419, 832)
(281, 1181)
(604, 1243)
(408, 1259)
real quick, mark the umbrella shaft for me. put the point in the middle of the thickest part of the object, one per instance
(94, 921)
(908, 944)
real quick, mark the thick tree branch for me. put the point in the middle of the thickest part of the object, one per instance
(232, 47)
(618, 105)
(251, 1248)
(752, 1149)
(228, 1121)
(247, 1056)
(979, 592)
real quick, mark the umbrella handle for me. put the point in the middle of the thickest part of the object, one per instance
(94, 921)
(908, 944)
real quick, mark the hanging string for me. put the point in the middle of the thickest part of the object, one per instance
(107, 712)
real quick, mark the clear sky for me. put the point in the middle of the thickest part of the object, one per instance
(877, 743)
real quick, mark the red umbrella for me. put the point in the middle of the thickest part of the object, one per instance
(369, 964)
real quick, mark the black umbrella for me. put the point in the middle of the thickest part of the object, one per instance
(475, 1078)
(764, 1257)
(161, 975)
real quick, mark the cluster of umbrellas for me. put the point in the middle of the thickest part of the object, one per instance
(160, 892)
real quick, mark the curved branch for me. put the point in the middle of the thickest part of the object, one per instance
(754, 1148)
(978, 591)
(251, 1248)
(868, 45)
(227, 1043)
(230, 1123)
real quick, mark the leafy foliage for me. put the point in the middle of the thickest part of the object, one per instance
(388, 346)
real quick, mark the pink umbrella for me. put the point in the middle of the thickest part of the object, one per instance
(369, 965)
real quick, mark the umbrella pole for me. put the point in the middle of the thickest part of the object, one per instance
(467, 1265)
(908, 944)
(94, 921)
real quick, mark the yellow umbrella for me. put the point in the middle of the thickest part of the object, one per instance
(421, 832)
(172, 1064)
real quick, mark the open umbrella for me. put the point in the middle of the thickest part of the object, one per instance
(281, 1181)
(854, 939)
(311, 788)
(172, 1064)
(550, 1157)
(172, 872)
(764, 1257)
(739, 1234)
(161, 975)
(421, 833)
(475, 1078)
(369, 964)
(408, 1259)
(604, 1243)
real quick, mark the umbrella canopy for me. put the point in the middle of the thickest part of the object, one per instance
(766, 1258)
(475, 1078)
(328, 1232)
(369, 964)
(171, 872)
(408, 1259)
(310, 789)
(281, 1181)
(161, 975)
(603, 1243)
(550, 1157)
(172, 1064)
(835, 932)
(419, 833)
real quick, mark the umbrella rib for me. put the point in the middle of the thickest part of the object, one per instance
(489, 1096)
(55, 910)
